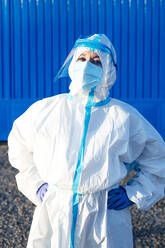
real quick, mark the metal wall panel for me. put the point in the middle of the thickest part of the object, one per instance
(37, 35)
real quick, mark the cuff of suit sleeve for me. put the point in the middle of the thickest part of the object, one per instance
(137, 197)
(29, 190)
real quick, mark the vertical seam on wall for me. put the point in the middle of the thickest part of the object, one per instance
(105, 17)
(21, 53)
(150, 88)
(66, 9)
(128, 53)
(74, 21)
(10, 47)
(121, 42)
(14, 84)
(135, 93)
(89, 16)
(36, 37)
(83, 8)
(143, 64)
(113, 23)
(59, 40)
(52, 50)
(44, 46)
(82, 28)
(98, 15)
(1, 47)
(158, 75)
(2, 40)
(29, 76)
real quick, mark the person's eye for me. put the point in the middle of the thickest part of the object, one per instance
(97, 62)
(81, 59)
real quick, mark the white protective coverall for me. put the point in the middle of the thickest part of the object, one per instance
(79, 145)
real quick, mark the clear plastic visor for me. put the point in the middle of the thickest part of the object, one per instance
(92, 46)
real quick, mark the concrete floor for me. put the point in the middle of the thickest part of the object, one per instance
(16, 214)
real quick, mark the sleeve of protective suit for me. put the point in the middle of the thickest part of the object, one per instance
(147, 148)
(20, 153)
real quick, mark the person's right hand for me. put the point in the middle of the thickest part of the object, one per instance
(118, 199)
(42, 191)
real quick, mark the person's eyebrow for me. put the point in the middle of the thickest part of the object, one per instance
(83, 54)
(96, 56)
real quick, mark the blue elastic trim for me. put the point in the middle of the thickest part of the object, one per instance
(86, 37)
(79, 167)
(94, 45)
(94, 104)
(101, 103)
(70, 97)
(74, 218)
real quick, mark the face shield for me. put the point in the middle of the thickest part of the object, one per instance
(101, 45)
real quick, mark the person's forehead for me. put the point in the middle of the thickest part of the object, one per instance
(94, 54)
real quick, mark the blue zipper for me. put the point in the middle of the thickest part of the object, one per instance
(79, 166)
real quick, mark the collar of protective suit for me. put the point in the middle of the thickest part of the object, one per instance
(89, 99)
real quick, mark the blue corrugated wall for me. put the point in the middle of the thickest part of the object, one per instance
(37, 35)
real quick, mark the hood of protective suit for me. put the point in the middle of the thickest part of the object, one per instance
(108, 65)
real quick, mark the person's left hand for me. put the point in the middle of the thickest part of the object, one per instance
(42, 191)
(118, 199)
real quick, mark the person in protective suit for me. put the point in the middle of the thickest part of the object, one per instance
(73, 150)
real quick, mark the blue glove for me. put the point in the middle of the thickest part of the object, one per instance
(118, 199)
(42, 191)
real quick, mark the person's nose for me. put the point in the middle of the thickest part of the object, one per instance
(89, 59)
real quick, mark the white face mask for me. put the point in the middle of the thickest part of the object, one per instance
(84, 75)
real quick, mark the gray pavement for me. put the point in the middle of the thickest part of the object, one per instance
(16, 214)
